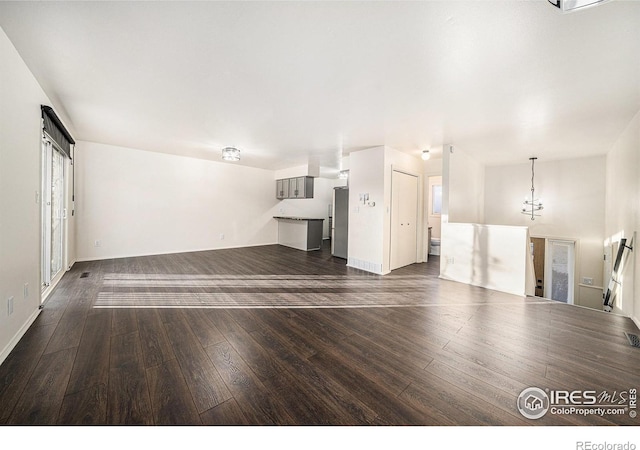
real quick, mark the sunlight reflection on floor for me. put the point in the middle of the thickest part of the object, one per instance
(273, 291)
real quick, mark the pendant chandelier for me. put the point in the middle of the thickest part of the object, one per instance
(533, 206)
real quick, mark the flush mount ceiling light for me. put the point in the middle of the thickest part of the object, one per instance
(231, 154)
(571, 5)
(426, 155)
(531, 207)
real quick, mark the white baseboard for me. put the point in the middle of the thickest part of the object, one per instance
(138, 255)
(636, 321)
(16, 338)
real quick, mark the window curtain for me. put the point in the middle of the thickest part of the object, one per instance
(55, 129)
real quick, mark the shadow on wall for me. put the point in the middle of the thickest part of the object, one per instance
(490, 256)
(480, 256)
(477, 241)
(480, 259)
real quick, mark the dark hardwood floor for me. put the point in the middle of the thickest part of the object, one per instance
(271, 335)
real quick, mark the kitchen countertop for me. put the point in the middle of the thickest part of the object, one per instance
(295, 218)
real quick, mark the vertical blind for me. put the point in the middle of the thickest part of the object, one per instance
(55, 129)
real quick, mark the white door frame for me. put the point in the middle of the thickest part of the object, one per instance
(573, 244)
(48, 281)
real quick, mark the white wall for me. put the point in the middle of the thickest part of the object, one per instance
(464, 181)
(623, 210)
(307, 170)
(471, 252)
(573, 194)
(489, 256)
(140, 203)
(20, 154)
(366, 224)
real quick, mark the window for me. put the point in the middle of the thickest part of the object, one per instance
(436, 199)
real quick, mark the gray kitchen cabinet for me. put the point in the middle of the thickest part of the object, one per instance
(282, 189)
(293, 188)
(298, 187)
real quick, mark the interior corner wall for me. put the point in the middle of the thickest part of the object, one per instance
(465, 185)
(366, 223)
(573, 195)
(622, 217)
(132, 202)
(20, 161)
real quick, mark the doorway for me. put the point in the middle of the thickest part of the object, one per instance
(434, 212)
(554, 266)
(404, 219)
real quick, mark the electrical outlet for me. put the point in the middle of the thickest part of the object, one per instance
(450, 260)
(97, 243)
(222, 236)
(588, 281)
(10, 306)
(26, 290)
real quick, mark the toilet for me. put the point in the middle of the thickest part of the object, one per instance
(435, 247)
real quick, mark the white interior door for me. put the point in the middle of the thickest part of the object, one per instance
(404, 219)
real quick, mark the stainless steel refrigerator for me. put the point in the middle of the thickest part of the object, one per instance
(340, 222)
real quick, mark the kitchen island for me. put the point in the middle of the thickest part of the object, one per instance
(302, 233)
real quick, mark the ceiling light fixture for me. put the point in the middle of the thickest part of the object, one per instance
(531, 207)
(570, 5)
(426, 155)
(231, 154)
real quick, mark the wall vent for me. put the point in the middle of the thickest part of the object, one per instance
(85, 275)
(367, 266)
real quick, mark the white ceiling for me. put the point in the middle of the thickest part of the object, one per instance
(300, 81)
